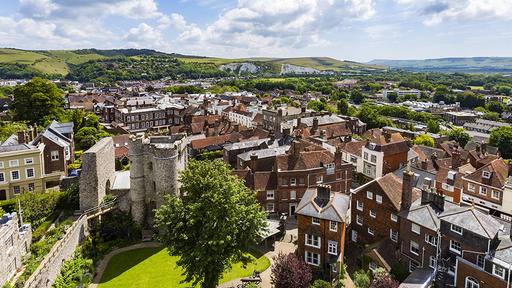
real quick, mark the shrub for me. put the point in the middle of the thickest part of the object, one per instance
(362, 279)
(321, 284)
(289, 271)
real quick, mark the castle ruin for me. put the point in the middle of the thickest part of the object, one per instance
(155, 163)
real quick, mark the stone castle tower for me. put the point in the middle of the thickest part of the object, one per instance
(155, 163)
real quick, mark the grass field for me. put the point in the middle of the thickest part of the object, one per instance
(153, 267)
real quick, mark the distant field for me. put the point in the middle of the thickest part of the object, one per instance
(59, 61)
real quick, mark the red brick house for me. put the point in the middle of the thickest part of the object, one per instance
(281, 185)
(322, 217)
(486, 188)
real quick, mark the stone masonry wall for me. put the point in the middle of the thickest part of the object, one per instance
(50, 267)
(98, 170)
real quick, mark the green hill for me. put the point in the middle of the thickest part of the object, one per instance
(16, 63)
(463, 65)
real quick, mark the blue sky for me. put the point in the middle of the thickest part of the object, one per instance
(358, 30)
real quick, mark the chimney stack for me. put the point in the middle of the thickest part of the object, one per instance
(407, 185)
(272, 136)
(254, 158)
(323, 195)
(315, 124)
(21, 137)
(455, 159)
(424, 164)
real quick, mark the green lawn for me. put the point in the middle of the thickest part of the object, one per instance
(153, 267)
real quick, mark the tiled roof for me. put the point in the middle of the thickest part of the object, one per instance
(499, 174)
(304, 160)
(353, 147)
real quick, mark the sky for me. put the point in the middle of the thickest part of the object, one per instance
(358, 30)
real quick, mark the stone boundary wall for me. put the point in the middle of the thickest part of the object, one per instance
(64, 249)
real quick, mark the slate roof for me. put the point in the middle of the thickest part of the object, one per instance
(474, 220)
(427, 215)
(265, 153)
(335, 210)
(18, 147)
(419, 176)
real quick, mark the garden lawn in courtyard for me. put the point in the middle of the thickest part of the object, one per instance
(153, 267)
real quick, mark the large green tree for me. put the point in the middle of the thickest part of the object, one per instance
(37, 101)
(502, 138)
(214, 222)
(459, 135)
(425, 140)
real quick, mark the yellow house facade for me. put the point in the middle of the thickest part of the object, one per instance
(22, 169)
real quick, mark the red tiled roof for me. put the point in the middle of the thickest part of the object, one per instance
(499, 174)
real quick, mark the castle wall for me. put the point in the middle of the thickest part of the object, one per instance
(98, 167)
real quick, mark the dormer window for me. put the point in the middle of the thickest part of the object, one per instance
(456, 229)
(451, 175)
(486, 174)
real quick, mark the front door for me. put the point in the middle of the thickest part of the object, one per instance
(3, 195)
(292, 208)
(354, 235)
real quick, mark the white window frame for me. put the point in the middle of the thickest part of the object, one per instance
(369, 195)
(471, 187)
(33, 173)
(14, 189)
(480, 260)
(360, 205)
(359, 220)
(373, 214)
(434, 238)
(33, 187)
(411, 246)
(312, 257)
(495, 273)
(457, 251)
(332, 247)
(393, 235)
(394, 217)
(54, 155)
(471, 282)
(319, 179)
(457, 229)
(314, 222)
(378, 198)
(371, 231)
(3, 177)
(270, 205)
(14, 163)
(413, 267)
(483, 190)
(373, 158)
(270, 197)
(498, 192)
(333, 228)
(19, 175)
(29, 161)
(432, 263)
(293, 195)
(293, 181)
(1, 164)
(311, 239)
(372, 266)
(415, 228)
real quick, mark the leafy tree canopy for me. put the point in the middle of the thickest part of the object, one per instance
(502, 138)
(216, 220)
(425, 140)
(37, 101)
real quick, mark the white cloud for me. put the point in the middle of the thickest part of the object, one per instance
(270, 24)
(145, 36)
(37, 8)
(438, 11)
